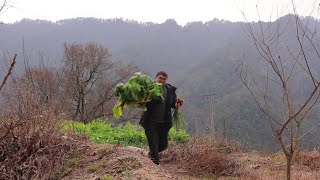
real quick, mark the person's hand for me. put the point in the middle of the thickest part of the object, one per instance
(179, 103)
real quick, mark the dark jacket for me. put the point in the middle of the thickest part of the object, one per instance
(170, 102)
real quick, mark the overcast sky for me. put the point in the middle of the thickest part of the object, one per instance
(182, 11)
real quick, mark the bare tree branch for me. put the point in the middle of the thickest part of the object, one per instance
(9, 72)
(314, 81)
(239, 71)
(3, 6)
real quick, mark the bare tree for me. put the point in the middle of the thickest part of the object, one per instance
(90, 77)
(289, 49)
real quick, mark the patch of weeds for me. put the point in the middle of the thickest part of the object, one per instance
(209, 177)
(105, 152)
(107, 177)
(246, 165)
(280, 159)
(66, 170)
(232, 178)
(60, 174)
(95, 167)
(72, 162)
(127, 175)
(128, 163)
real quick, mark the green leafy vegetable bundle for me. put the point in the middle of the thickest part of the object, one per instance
(139, 90)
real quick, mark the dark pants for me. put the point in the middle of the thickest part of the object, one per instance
(157, 135)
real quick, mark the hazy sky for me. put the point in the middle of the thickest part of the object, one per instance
(182, 11)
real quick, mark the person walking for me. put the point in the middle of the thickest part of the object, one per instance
(157, 120)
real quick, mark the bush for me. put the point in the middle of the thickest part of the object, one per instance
(31, 147)
(202, 156)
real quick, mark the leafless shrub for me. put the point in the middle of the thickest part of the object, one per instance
(310, 159)
(31, 146)
(203, 156)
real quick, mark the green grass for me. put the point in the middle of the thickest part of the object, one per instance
(107, 177)
(280, 159)
(72, 162)
(129, 163)
(95, 167)
(127, 175)
(125, 135)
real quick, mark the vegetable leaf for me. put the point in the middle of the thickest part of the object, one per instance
(139, 90)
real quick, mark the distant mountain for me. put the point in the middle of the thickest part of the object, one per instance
(199, 57)
(152, 46)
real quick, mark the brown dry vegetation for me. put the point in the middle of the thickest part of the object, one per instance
(197, 159)
(204, 156)
(178, 162)
(273, 166)
(30, 146)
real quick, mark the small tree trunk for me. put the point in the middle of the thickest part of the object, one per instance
(83, 119)
(289, 167)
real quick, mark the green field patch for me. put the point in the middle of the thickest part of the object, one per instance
(101, 131)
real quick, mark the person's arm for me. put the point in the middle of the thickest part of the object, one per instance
(174, 102)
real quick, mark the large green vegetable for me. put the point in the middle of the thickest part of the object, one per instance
(139, 90)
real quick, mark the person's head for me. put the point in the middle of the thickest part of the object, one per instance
(162, 77)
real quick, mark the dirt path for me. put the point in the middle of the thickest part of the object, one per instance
(113, 162)
(104, 162)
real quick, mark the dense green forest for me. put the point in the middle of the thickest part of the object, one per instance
(200, 58)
